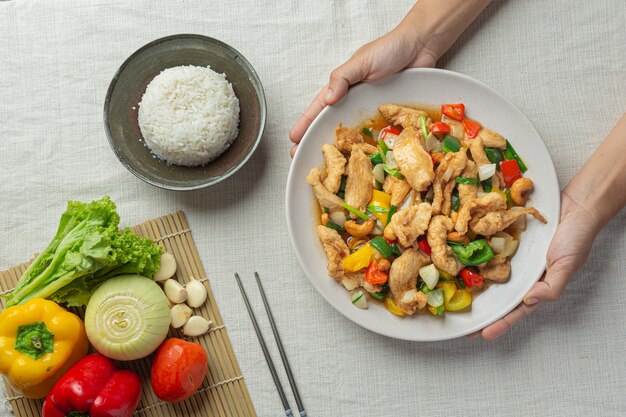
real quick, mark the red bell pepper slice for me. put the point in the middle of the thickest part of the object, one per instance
(424, 246)
(440, 128)
(471, 127)
(389, 130)
(375, 276)
(94, 387)
(471, 278)
(454, 111)
(510, 171)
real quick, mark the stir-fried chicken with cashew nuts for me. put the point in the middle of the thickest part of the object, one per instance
(421, 209)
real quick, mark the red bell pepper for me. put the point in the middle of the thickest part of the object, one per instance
(389, 130)
(375, 276)
(94, 387)
(454, 111)
(424, 246)
(471, 278)
(440, 128)
(471, 127)
(510, 171)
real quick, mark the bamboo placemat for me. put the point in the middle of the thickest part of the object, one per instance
(223, 391)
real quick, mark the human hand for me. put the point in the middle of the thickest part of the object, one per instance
(376, 60)
(568, 252)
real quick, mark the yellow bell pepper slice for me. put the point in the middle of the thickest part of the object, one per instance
(39, 342)
(359, 259)
(449, 289)
(459, 300)
(390, 304)
(382, 200)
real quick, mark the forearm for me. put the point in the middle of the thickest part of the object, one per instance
(438, 24)
(599, 186)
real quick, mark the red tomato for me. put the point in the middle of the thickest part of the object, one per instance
(389, 130)
(510, 171)
(424, 246)
(178, 369)
(375, 276)
(440, 128)
(471, 127)
(471, 278)
(454, 111)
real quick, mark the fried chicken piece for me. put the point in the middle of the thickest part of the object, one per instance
(346, 137)
(335, 167)
(477, 149)
(477, 209)
(410, 223)
(441, 253)
(403, 282)
(414, 162)
(451, 167)
(360, 178)
(336, 250)
(404, 116)
(456, 129)
(467, 195)
(496, 221)
(498, 269)
(397, 188)
(491, 139)
(324, 197)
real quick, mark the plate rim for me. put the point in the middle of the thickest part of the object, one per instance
(289, 215)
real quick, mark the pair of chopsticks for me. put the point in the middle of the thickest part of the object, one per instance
(268, 358)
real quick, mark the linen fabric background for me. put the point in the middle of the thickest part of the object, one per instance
(561, 62)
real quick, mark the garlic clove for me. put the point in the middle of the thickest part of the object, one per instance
(167, 269)
(179, 314)
(196, 293)
(196, 326)
(175, 292)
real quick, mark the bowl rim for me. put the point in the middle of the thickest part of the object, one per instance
(318, 286)
(258, 87)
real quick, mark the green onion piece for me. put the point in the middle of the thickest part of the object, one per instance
(376, 159)
(440, 310)
(392, 211)
(488, 185)
(494, 155)
(382, 246)
(367, 132)
(510, 153)
(509, 201)
(393, 172)
(424, 288)
(474, 253)
(378, 185)
(335, 226)
(455, 200)
(424, 128)
(460, 282)
(377, 209)
(355, 211)
(326, 210)
(382, 150)
(396, 249)
(466, 180)
(342, 187)
(450, 144)
(380, 296)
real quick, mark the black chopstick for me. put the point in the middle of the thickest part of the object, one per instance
(283, 355)
(268, 358)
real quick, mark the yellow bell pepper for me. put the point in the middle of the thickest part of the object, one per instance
(39, 342)
(455, 299)
(359, 259)
(382, 200)
(390, 304)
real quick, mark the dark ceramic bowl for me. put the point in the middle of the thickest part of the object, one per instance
(129, 84)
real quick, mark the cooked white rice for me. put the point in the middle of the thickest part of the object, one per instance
(189, 115)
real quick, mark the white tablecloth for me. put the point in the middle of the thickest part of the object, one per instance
(561, 62)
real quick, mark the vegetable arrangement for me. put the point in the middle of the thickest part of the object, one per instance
(128, 316)
(429, 217)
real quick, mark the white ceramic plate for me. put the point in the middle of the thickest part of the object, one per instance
(426, 86)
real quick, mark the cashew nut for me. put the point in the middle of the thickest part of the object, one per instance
(360, 230)
(389, 233)
(325, 218)
(456, 237)
(438, 156)
(384, 265)
(520, 189)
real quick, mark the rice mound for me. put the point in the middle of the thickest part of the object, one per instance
(189, 115)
